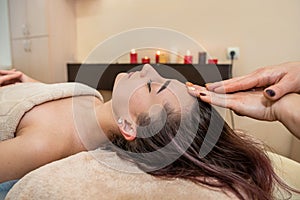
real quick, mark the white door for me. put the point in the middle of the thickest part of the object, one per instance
(18, 18)
(37, 17)
(39, 60)
(28, 18)
(20, 55)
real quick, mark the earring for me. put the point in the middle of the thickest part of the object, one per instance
(120, 121)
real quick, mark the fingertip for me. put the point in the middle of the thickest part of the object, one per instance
(203, 94)
(193, 92)
(271, 94)
(189, 84)
(191, 88)
(212, 86)
(19, 73)
(205, 97)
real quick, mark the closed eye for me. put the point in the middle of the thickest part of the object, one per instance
(149, 85)
(164, 86)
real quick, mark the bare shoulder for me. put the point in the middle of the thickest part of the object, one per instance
(24, 153)
(57, 123)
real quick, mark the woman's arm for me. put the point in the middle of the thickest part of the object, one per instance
(287, 111)
(24, 153)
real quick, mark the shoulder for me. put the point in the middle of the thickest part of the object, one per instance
(26, 152)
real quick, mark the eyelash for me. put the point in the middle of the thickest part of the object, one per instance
(149, 85)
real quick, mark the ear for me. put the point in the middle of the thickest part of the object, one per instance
(128, 130)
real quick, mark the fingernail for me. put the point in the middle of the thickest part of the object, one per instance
(189, 84)
(271, 93)
(191, 88)
(202, 94)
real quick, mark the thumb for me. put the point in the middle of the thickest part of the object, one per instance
(276, 91)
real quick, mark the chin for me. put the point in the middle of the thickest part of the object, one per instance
(118, 78)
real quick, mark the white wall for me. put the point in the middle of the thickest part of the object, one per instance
(267, 32)
(5, 55)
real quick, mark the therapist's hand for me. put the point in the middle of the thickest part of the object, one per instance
(254, 104)
(9, 77)
(277, 80)
(248, 103)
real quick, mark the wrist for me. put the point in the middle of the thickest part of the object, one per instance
(284, 108)
(287, 111)
(278, 110)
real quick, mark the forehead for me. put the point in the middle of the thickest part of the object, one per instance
(175, 95)
(178, 91)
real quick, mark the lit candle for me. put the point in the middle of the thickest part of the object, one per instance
(188, 58)
(213, 61)
(133, 56)
(157, 56)
(145, 60)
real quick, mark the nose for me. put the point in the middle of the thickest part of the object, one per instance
(146, 68)
(150, 72)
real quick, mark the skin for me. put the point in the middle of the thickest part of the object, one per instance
(81, 123)
(9, 76)
(282, 79)
(140, 99)
(245, 96)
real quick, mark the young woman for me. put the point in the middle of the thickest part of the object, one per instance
(150, 120)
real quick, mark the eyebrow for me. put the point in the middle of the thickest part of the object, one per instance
(164, 86)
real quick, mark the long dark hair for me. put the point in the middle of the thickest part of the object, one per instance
(170, 148)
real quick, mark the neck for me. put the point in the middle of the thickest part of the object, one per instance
(106, 119)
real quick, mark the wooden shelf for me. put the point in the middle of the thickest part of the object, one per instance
(102, 76)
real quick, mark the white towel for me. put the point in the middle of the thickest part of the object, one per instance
(17, 99)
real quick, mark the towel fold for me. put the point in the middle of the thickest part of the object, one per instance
(17, 99)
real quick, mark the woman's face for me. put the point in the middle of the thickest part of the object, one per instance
(146, 91)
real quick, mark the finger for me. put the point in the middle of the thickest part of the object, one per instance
(221, 100)
(276, 91)
(213, 86)
(189, 84)
(9, 77)
(244, 83)
(4, 72)
(194, 91)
